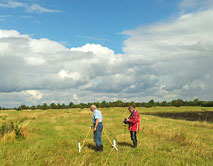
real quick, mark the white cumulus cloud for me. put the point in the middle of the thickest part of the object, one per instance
(179, 54)
(162, 61)
(35, 94)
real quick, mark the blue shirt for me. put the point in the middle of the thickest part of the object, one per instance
(97, 115)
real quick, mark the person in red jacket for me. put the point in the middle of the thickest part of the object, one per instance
(134, 123)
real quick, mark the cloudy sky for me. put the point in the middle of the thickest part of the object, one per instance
(94, 50)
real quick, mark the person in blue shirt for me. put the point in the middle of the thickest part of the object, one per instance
(98, 127)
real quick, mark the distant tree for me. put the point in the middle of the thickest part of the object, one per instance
(147, 105)
(38, 107)
(23, 107)
(210, 104)
(104, 104)
(33, 107)
(44, 106)
(151, 102)
(118, 103)
(207, 104)
(177, 103)
(137, 104)
(132, 103)
(197, 102)
(180, 102)
(58, 106)
(18, 109)
(71, 105)
(82, 105)
(163, 103)
(53, 106)
(63, 106)
(98, 104)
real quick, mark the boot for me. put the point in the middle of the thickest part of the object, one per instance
(98, 148)
(101, 148)
(134, 144)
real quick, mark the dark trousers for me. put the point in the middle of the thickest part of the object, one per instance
(133, 135)
(97, 134)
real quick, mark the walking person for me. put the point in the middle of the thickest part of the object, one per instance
(134, 123)
(98, 127)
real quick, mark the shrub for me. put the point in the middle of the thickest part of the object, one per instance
(6, 129)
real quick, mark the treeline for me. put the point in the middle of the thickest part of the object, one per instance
(118, 103)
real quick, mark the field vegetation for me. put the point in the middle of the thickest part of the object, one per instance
(50, 137)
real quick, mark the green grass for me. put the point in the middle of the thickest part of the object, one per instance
(52, 136)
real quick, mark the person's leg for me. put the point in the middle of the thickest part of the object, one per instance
(131, 134)
(101, 129)
(134, 138)
(98, 138)
(95, 137)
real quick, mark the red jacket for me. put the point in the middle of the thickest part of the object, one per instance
(134, 120)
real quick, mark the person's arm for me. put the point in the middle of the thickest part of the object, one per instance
(134, 118)
(96, 124)
(129, 118)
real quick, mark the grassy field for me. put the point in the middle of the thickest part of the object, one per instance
(52, 136)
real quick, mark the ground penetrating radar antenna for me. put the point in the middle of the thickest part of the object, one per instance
(114, 145)
(79, 147)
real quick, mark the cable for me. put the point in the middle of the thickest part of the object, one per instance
(86, 138)
(113, 145)
(107, 137)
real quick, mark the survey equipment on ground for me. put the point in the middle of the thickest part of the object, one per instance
(80, 147)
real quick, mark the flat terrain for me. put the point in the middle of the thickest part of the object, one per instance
(52, 136)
